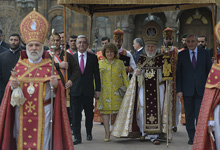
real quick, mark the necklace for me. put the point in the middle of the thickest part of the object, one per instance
(31, 88)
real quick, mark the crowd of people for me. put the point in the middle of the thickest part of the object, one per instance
(140, 95)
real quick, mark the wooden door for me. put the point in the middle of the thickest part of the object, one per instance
(197, 21)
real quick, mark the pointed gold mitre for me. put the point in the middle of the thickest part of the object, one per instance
(34, 27)
(152, 33)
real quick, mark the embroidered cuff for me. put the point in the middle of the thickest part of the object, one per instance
(211, 123)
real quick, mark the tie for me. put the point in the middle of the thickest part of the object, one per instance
(194, 60)
(82, 64)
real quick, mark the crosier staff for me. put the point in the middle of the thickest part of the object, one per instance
(53, 46)
(65, 59)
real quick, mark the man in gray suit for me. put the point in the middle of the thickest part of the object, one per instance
(193, 67)
(138, 45)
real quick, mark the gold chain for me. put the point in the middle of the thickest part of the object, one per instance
(31, 88)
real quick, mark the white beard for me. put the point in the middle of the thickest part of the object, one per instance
(35, 57)
(152, 55)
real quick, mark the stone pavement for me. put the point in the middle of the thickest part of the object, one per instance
(179, 142)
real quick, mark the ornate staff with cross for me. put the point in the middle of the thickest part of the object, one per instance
(53, 46)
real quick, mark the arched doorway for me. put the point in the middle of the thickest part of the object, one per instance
(57, 23)
(197, 21)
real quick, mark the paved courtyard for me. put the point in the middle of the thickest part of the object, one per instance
(179, 142)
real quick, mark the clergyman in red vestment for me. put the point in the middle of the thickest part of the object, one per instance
(26, 106)
(207, 136)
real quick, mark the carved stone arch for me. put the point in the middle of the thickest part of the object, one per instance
(141, 20)
(101, 28)
(138, 23)
(162, 17)
(171, 22)
(55, 12)
(75, 23)
(57, 23)
(171, 18)
(197, 21)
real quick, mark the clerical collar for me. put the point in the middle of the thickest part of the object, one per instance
(14, 50)
(139, 49)
(120, 50)
(35, 62)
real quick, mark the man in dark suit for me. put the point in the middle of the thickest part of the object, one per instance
(2, 42)
(202, 42)
(62, 46)
(138, 45)
(105, 40)
(71, 65)
(83, 90)
(193, 68)
(8, 60)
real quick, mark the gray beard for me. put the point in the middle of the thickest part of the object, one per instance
(37, 57)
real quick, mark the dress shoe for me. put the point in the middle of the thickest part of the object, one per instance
(190, 142)
(174, 129)
(89, 137)
(142, 138)
(106, 140)
(77, 141)
(156, 142)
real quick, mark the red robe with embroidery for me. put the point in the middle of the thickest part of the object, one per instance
(62, 138)
(211, 98)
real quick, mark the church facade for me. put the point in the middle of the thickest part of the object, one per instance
(198, 21)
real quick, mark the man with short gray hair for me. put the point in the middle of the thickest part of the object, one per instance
(193, 67)
(138, 45)
(83, 90)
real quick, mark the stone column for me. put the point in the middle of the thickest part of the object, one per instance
(127, 25)
(172, 23)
